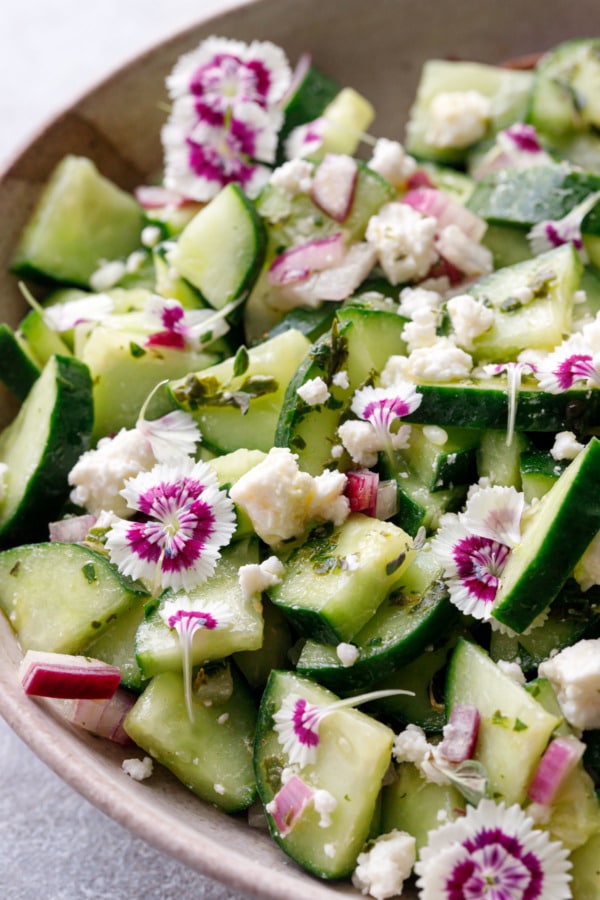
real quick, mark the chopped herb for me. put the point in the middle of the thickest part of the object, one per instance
(241, 361)
(499, 719)
(15, 569)
(136, 350)
(395, 564)
(89, 572)
(519, 725)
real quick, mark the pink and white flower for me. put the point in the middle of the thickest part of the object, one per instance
(494, 852)
(573, 362)
(552, 233)
(187, 617)
(183, 519)
(382, 407)
(182, 329)
(474, 546)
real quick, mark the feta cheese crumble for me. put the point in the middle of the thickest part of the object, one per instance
(392, 162)
(314, 391)
(281, 500)
(384, 866)
(295, 176)
(325, 804)
(138, 769)
(254, 578)
(575, 676)
(441, 361)
(470, 318)
(566, 446)
(458, 118)
(347, 654)
(411, 745)
(404, 241)
(107, 275)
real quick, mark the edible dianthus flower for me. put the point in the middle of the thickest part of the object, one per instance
(225, 117)
(552, 233)
(493, 852)
(186, 617)
(381, 408)
(573, 362)
(182, 329)
(182, 520)
(474, 545)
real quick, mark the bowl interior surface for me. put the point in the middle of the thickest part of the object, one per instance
(376, 47)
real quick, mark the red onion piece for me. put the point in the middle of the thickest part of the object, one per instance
(443, 268)
(62, 675)
(289, 803)
(154, 196)
(361, 490)
(298, 263)
(386, 505)
(73, 530)
(460, 733)
(559, 759)
(336, 283)
(334, 185)
(419, 179)
(103, 718)
(447, 211)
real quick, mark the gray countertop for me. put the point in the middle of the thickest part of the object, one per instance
(53, 843)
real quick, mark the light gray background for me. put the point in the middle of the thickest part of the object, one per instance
(53, 844)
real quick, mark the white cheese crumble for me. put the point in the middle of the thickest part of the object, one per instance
(469, 318)
(458, 118)
(442, 361)
(421, 331)
(347, 654)
(135, 261)
(392, 162)
(411, 745)
(224, 717)
(281, 500)
(325, 804)
(414, 299)
(471, 257)
(295, 176)
(138, 769)
(150, 236)
(329, 850)
(566, 446)
(314, 391)
(100, 474)
(218, 789)
(404, 241)
(254, 578)
(341, 380)
(512, 669)
(384, 866)
(435, 434)
(575, 676)
(108, 273)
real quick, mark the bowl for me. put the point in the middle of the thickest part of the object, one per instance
(377, 48)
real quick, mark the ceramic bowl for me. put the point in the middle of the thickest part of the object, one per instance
(378, 47)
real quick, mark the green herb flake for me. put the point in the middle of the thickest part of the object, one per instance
(89, 572)
(136, 350)
(520, 726)
(241, 362)
(499, 719)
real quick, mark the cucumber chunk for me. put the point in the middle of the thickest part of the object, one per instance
(353, 754)
(211, 753)
(540, 564)
(335, 581)
(18, 368)
(514, 728)
(565, 91)
(238, 406)
(60, 597)
(221, 250)
(81, 219)
(40, 447)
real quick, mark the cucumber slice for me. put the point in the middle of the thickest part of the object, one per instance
(116, 646)
(353, 755)
(586, 871)
(43, 340)
(485, 403)
(18, 368)
(445, 465)
(211, 753)
(335, 581)
(417, 806)
(60, 597)
(514, 728)
(221, 250)
(500, 461)
(566, 88)
(560, 528)
(158, 648)
(409, 619)
(238, 403)
(539, 471)
(551, 279)
(81, 218)
(508, 89)
(40, 447)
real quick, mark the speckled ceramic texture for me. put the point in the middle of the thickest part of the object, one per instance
(377, 47)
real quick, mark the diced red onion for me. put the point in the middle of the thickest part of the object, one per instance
(447, 211)
(62, 675)
(443, 268)
(154, 196)
(559, 759)
(361, 490)
(298, 263)
(73, 530)
(334, 185)
(419, 179)
(103, 718)
(460, 733)
(386, 505)
(336, 283)
(289, 803)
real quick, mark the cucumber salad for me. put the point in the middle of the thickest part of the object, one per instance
(301, 498)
